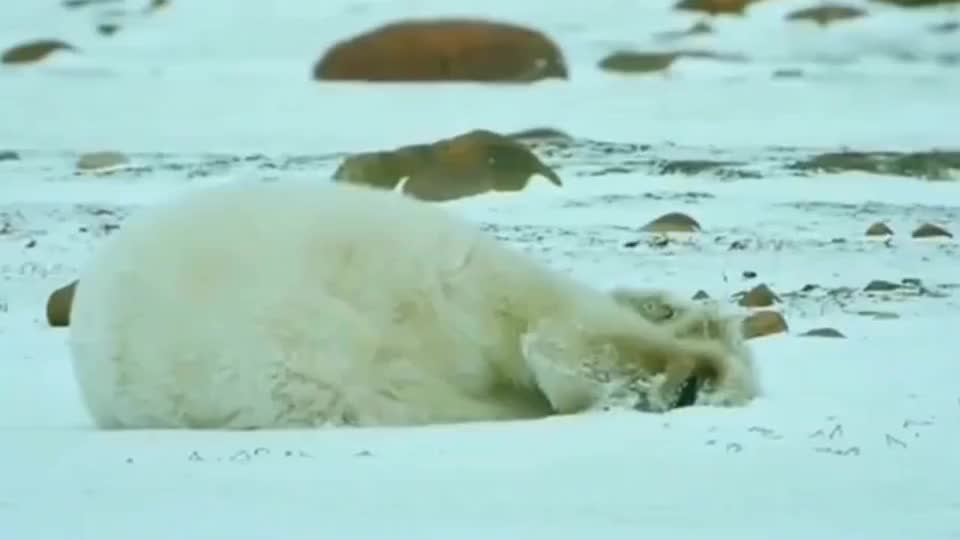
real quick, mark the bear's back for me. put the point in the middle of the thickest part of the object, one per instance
(294, 232)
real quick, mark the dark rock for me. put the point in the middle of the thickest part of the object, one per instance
(948, 27)
(72, 4)
(637, 62)
(107, 29)
(918, 3)
(823, 332)
(698, 28)
(879, 285)
(738, 245)
(788, 74)
(880, 315)
(645, 62)
(931, 165)
(672, 222)
(540, 134)
(690, 167)
(825, 14)
(879, 229)
(929, 230)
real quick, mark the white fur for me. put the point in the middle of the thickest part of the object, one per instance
(300, 304)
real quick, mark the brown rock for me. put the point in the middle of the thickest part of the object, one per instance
(475, 162)
(929, 230)
(100, 160)
(764, 323)
(715, 7)
(672, 222)
(701, 295)
(879, 229)
(444, 50)
(759, 296)
(825, 14)
(34, 51)
(58, 305)
(823, 332)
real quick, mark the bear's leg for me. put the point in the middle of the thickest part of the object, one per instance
(567, 391)
(560, 368)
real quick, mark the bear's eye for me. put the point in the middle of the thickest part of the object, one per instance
(660, 311)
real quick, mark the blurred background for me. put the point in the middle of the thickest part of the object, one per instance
(224, 75)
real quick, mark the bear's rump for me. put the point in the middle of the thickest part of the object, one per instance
(286, 352)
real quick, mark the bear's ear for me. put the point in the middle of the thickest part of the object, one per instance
(565, 367)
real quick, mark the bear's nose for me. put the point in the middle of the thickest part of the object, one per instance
(688, 393)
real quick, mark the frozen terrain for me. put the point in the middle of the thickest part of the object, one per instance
(856, 437)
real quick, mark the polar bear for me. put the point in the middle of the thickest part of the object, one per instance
(299, 304)
(692, 319)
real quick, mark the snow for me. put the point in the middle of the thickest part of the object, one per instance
(854, 438)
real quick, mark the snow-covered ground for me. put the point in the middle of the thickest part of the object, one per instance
(855, 438)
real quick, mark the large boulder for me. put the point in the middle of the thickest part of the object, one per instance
(475, 162)
(715, 7)
(34, 51)
(444, 50)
